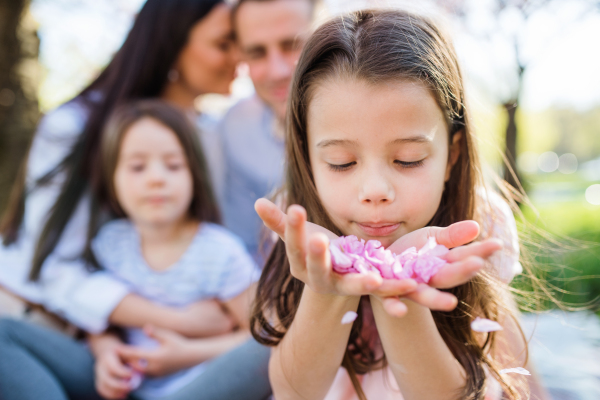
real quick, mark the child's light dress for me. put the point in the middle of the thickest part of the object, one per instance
(215, 265)
(381, 384)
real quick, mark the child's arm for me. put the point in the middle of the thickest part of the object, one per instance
(306, 361)
(200, 319)
(304, 364)
(422, 364)
(176, 352)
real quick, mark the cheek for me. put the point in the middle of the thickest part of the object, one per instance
(421, 201)
(257, 71)
(184, 189)
(125, 188)
(336, 194)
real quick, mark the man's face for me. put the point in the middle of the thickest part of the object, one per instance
(270, 35)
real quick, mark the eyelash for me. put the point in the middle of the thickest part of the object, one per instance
(411, 164)
(402, 164)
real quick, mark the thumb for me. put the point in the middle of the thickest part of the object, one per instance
(272, 216)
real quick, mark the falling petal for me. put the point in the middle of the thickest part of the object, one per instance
(485, 325)
(517, 370)
(349, 317)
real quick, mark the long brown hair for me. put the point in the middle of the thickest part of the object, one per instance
(377, 47)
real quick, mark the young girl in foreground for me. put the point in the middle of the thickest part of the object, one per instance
(380, 146)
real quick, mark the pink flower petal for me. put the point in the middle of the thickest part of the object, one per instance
(349, 317)
(485, 325)
(517, 370)
(350, 254)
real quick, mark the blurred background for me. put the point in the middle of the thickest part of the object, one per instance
(533, 77)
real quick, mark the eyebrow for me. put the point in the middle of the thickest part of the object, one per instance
(337, 142)
(413, 139)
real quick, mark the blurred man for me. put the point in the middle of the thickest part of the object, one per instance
(270, 35)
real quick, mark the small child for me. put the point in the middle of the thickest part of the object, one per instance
(169, 247)
(379, 146)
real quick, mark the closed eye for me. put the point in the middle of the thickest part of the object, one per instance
(409, 164)
(342, 167)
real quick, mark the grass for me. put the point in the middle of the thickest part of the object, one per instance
(565, 253)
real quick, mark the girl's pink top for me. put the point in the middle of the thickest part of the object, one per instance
(381, 385)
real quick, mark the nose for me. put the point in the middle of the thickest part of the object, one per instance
(156, 174)
(279, 66)
(376, 188)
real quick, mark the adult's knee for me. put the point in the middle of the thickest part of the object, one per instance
(8, 329)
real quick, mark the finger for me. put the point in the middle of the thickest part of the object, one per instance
(295, 238)
(482, 249)
(394, 307)
(457, 234)
(118, 369)
(396, 287)
(318, 264)
(272, 216)
(452, 236)
(433, 298)
(113, 386)
(135, 357)
(458, 273)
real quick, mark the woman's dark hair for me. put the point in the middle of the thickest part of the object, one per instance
(138, 70)
(378, 47)
(203, 206)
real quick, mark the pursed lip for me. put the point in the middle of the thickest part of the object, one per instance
(156, 199)
(378, 229)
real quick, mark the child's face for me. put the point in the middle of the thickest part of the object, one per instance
(152, 180)
(379, 156)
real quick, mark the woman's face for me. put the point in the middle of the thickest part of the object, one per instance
(207, 62)
(379, 156)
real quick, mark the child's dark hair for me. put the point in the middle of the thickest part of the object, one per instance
(377, 47)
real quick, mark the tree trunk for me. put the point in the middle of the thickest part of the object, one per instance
(19, 112)
(511, 174)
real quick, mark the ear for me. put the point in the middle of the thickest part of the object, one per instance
(453, 153)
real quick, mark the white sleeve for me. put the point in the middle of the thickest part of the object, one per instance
(503, 226)
(70, 290)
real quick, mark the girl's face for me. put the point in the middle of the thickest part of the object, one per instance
(153, 182)
(379, 155)
(207, 62)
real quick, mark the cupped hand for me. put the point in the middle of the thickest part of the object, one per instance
(307, 247)
(465, 260)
